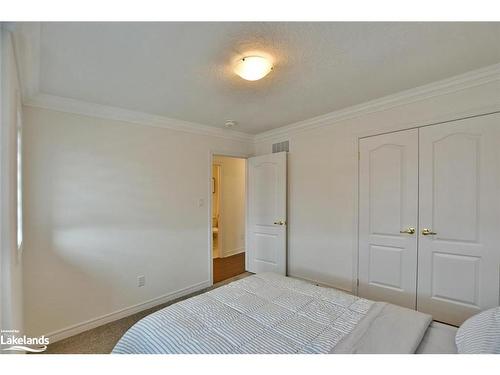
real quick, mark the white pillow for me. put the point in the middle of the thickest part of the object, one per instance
(480, 334)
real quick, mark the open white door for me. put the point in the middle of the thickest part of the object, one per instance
(266, 224)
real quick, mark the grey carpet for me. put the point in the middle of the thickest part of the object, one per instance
(101, 340)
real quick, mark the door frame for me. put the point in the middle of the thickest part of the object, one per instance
(219, 236)
(237, 155)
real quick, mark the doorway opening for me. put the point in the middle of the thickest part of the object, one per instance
(228, 216)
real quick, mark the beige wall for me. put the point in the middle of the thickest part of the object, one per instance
(107, 201)
(232, 205)
(11, 314)
(322, 178)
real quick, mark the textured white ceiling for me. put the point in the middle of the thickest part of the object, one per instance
(183, 70)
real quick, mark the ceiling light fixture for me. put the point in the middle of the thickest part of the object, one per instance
(230, 123)
(253, 68)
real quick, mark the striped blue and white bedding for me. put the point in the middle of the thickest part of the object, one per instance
(264, 313)
(480, 334)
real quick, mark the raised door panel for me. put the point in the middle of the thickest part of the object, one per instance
(456, 183)
(265, 205)
(462, 290)
(386, 170)
(386, 267)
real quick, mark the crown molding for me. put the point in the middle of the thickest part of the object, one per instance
(79, 107)
(26, 40)
(460, 82)
(27, 48)
(471, 79)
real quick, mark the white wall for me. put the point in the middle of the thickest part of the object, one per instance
(107, 201)
(232, 205)
(11, 265)
(322, 173)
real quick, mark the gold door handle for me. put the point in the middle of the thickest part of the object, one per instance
(408, 231)
(281, 222)
(428, 232)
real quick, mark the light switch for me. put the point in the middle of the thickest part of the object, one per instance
(201, 202)
(141, 281)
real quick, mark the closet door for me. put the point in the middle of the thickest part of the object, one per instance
(388, 196)
(459, 218)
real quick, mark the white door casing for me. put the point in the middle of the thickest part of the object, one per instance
(388, 196)
(458, 267)
(266, 224)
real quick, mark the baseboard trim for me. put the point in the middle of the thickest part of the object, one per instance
(104, 319)
(232, 252)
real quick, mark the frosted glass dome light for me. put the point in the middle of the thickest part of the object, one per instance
(253, 68)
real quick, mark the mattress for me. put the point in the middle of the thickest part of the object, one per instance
(272, 314)
(439, 338)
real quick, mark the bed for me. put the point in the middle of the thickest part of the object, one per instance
(273, 314)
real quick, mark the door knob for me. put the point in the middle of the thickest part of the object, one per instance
(408, 231)
(281, 222)
(428, 232)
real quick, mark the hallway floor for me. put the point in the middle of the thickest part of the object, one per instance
(224, 268)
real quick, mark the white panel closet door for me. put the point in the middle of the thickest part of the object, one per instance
(388, 199)
(266, 224)
(458, 266)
